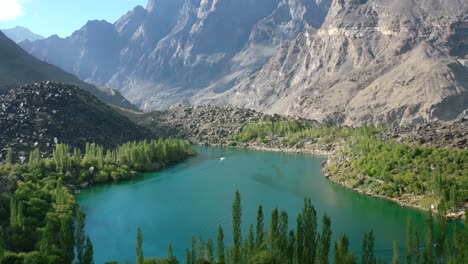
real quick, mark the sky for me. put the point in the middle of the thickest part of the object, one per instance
(61, 17)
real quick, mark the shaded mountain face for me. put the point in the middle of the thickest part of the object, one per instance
(19, 34)
(166, 53)
(17, 67)
(43, 114)
(337, 61)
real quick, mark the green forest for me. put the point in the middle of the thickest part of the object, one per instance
(362, 159)
(276, 243)
(40, 221)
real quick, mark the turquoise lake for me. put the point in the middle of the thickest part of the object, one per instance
(195, 197)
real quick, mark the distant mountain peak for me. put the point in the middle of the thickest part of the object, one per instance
(19, 34)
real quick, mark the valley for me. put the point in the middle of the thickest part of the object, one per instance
(234, 132)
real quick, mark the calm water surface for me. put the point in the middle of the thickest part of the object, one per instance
(195, 197)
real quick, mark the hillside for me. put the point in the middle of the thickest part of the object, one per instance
(43, 114)
(17, 67)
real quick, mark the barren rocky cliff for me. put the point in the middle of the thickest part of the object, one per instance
(338, 61)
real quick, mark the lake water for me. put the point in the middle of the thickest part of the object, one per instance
(195, 197)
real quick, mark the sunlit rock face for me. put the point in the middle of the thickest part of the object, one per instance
(338, 61)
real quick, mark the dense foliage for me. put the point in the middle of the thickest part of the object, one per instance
(365, 161)
(38, 215)
(308, 244)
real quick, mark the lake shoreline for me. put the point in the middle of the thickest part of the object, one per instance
(330, 156)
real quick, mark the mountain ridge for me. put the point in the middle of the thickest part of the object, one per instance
(337, 61)
(19, 34)
(18, 67)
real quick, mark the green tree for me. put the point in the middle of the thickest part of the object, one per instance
(220, 246)
(67, 239)
(47, 241)
(283, 236)
(250, 242)
(171, 259)
(13, 212)
(310, 233)
(274, 235)
(409, 241)
(325, 240)
(368, 255)
(260, 229)
(342, 254)
(80, 236)
(89, 252)
(139, 248)
(2, 244)
(299, 248)
(237, 233)
(428, 252)
(396, 254)
(209, 251)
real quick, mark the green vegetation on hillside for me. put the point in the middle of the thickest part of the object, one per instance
(305, 242)
(37, 219)
(363, 160)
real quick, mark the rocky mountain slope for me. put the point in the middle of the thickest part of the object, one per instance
(337, 61)
(371, 61)
(43, 114)
(17, 67)
(19, 34)
(165, 54)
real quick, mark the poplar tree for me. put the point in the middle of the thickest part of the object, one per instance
(193, 251)
(368, 256)
(283, 236)
(47, 239)
(89, 252)
(310, 233)
(409, 241)
(274, 235)
(171, 259)
(139, 248)
(325, 240)
(2, 244)
(13, 212)
(260, 229)
(237, 233)
(299, 249)
(220, 246)
(291, 246)
(209, 251)
(396, 254)
(80, 236)
(250, 241)
(67, 239)
(342, 254)
(428, 253)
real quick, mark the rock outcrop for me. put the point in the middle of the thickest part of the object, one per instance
(439, 134)
(43, 114)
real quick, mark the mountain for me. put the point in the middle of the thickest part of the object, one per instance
(42, 114)
(337, 61)
(19, 34)
(17, 67)
(366, 66)
(166, 53)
